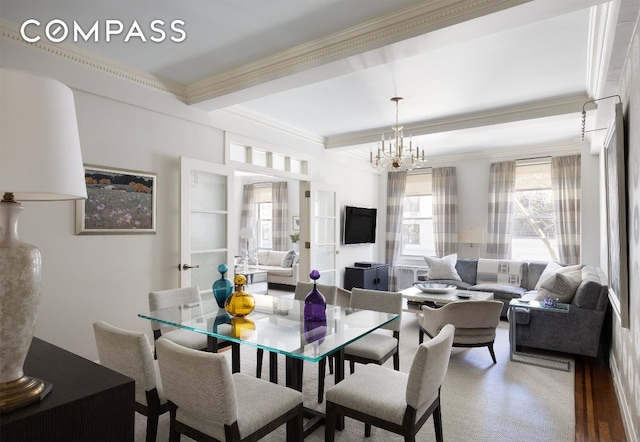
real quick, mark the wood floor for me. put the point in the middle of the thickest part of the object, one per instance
(598, 415)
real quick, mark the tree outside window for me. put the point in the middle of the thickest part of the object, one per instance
(534, 227)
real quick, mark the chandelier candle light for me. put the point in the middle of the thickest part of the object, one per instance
(395, 153)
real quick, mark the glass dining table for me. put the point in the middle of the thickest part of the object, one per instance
(277, 325)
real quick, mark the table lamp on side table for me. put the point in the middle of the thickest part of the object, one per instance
(40, 160)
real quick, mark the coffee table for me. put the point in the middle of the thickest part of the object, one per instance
(414, 298)
(256, 280)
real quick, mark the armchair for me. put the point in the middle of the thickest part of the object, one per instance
(475, 323)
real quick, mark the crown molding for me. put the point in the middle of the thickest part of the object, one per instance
(526, 111)
(272, 124)
(89, 59)
(599, 47)
(410, 22)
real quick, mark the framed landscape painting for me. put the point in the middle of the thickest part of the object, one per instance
(616, 197)
(119, 201)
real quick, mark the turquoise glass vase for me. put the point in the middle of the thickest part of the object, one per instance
(222, 288)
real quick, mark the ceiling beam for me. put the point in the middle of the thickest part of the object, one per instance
(520, 112)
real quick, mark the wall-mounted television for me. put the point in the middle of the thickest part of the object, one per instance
(359, 225)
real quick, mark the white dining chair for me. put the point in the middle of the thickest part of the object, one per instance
(207, 401)
(393, 400)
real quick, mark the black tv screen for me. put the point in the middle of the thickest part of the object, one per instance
(359, 225)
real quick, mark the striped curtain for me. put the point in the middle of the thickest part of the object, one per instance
(565, 181)
(502, 183)
(445, 210)
(246, 216)
(395, 195)
(279, 216)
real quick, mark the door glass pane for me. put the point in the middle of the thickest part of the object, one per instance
(208, 191)
(324, 258)
(208, 231)
(325, 230)
(325, 204)
(207, 273)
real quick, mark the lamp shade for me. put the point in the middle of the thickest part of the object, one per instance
(471, 235)
(40, 155)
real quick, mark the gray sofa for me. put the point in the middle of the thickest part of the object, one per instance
(576, 332)
(468, 271)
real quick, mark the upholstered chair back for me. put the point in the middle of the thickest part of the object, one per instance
(200, 384)
(381, 301)
(328, 291)
(429, 368)
(170, 298)
(130, 354)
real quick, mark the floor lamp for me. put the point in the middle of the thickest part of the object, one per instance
(40, 160)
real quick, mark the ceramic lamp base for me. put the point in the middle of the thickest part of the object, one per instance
(22, 392)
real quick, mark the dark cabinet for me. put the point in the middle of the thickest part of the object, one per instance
(373, 276)
(88, 402)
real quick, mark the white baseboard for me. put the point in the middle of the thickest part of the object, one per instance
(627, 421)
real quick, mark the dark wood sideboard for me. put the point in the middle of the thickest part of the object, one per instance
(88, 402)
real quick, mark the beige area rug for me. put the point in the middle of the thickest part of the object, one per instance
(480, 401)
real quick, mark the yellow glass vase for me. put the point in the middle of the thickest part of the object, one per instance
(240, 303)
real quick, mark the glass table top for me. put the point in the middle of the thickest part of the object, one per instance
(276, 325)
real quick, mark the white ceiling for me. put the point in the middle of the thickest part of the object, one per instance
(474, 74)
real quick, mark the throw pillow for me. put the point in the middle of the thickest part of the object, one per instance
(561, 286)
(497, 271)
(553, 268)
(442, 268)
(287, 260)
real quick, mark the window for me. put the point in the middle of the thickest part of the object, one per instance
(417, 216)
(534, 226)
(263, 209)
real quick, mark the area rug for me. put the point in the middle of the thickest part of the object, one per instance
(481, 401)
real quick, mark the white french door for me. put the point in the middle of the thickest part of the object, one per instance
(319, 231)
(206, 191)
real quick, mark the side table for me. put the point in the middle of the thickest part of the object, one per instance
(561, 364)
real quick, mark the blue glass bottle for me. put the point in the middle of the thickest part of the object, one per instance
(315, 306)
(222, 288)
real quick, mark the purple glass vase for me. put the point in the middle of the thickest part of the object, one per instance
(315, 306)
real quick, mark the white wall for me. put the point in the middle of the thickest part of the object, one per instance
(127, 125)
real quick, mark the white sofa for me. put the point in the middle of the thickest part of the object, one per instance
(277, 271)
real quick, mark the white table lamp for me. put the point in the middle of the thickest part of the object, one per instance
(471, 236)
(40, 160)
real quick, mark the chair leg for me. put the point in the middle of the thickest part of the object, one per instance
(437, 423)
(352, 366)
(420, 335)
(152, 427)
(330, 423)
(174, 436)
(331, 360)
(367, 430)
(259, 357)
(396, 360)
(493, 355)
(321, 375)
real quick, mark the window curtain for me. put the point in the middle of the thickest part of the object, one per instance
(246, 216)
(279, 216)
(395, 195)
(565, 181)
(502, 183)
(445, 210)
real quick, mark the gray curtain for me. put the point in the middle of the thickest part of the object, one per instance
(246, 216)
(279, 216)
(445, 210)
(565, 180)
(395, 195)
(502, 183)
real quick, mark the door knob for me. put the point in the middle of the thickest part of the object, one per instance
(187, 267)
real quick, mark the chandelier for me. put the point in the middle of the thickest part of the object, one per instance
(392, 151)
